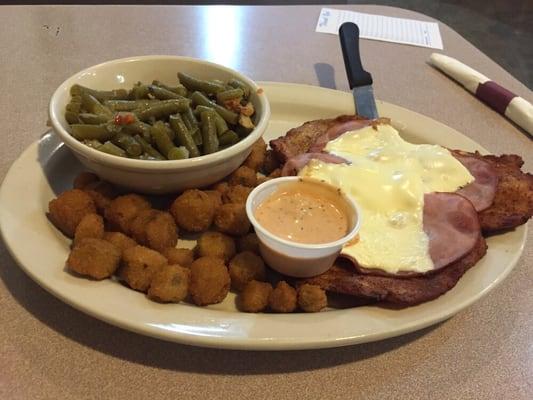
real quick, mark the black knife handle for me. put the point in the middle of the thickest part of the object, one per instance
(349, 36)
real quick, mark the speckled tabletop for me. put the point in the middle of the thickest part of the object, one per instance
(49, 350)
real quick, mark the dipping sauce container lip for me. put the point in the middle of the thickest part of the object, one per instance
(276, 182)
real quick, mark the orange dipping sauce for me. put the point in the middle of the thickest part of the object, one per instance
(305, 212)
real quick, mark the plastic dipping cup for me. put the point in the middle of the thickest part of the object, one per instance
(298, 259)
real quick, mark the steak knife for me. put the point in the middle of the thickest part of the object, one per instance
(359, 80)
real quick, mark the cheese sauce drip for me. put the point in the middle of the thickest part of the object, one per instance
(388, 178)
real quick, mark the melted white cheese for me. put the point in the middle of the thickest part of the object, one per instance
(388, 178)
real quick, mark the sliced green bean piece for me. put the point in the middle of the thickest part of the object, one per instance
(98, 132)
(193, 84)
(187, 123)
(139, 91)
(197, 136)
(178, 153)
(229, 116)
(92, 105)
(110, 148)
(220, 124)
(74, 107)
(228, 138)
(183, 136)
(100, 95)
(139, 128)
(229, 95)
(189, 116)
(148, 149)
(95, 144)
(162, 93)
(93, 119)
(163, 109)
(72, 117)
(129, 105)
(179, 89)
(162, 141)
(128, 143)
(236, 83)
(209, 132)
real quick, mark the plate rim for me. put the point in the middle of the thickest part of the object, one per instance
(246, 343)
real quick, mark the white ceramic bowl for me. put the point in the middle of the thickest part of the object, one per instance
(298, 259)
(156, 176)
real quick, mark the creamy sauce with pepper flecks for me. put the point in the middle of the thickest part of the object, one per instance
(305, 212)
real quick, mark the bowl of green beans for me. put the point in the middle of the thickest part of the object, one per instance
(159, 124)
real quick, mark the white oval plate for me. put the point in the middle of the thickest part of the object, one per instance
(47, 168)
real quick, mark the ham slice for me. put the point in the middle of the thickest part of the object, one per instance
(295, 164)
(338, 129)
(481, 192)
(452, 226)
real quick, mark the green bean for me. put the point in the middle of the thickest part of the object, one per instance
(93, 119)
(128, 143)
(193, 84)
(139, 128)
(197, 136)
(72, 117)
(209, 132)
(229, 116)
(162, 93)
(179, 89)
(129, 105)
(110, 148)
(163, 109)
(183, 135)
(162, 140)
(187, 123)
(92, 105)
(139, 91)
(95, 144)
(74, 107)
(236, 83)
(98, 132)
(220, 124)
(228, 138)
(100, 95)
(229, 95)
(148, 149)
(178, 153)
(189, 116)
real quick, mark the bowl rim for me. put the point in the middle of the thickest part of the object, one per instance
(304, 246)
(163, 165)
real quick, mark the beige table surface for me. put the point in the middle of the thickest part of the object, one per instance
(49, 350)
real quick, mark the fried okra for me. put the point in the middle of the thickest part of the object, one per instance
(95, 258)
(246, 267)
(154, 229)
(215, 244)
(311, 298)
(102, 194)
(84, 179)
(121, 241)
(237, 194)
(68, 209)
(90, 226)
(283, 298)
(248, 242)
(139, 265)
(221, 187)
(210, 281)
(254, 297)
(183, 257)
(122, 210)
(243, 176)
(170, 284)
(232, 219)
(256, 158)
(193, 210)
(270, 163)
(215, 196)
